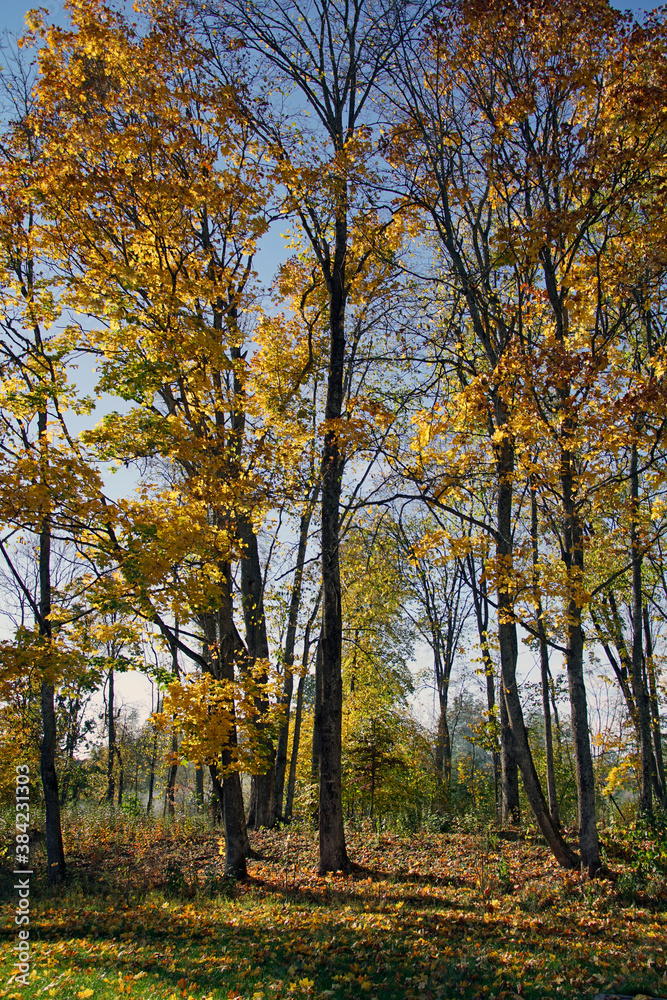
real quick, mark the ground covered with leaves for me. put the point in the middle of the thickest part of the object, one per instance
(147, 913)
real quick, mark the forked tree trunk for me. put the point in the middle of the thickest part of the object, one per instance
(624, 669)
(508, 658)
(221, 647)
(481, 605)
(261, 812)
(288, 658)
(573, 556)
(544, 666)
(296, 738)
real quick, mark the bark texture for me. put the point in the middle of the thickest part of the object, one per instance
(55, 852)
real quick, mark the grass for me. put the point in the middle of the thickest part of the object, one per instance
(147, 914)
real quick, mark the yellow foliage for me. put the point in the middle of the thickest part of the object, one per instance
(214, 715)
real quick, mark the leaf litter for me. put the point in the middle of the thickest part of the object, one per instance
(148, 913)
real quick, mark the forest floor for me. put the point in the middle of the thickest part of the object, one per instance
(146, 913)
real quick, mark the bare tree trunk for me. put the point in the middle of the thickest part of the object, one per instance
(508, 658)
(544, 666)
(661, 789)
(261, 812)
(510, 807)
(170, 791)
(121, 776)
(573, 554)
(111, 741)
(199, 785)
(55, 852)
(70, 747)
(329, 714)
(641, 695)
(228, 792)
(288, 658)
(151, 771)
(222, 644)
(296, 738)
(443, 755)
(548, 734)
(481, 605)
(315, 750)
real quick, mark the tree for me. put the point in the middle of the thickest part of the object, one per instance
(436, 580)
(509, 118)
(331, 56)
(444, 121)
(155, 194)
(34, 385)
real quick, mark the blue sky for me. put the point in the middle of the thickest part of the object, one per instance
(12, 14)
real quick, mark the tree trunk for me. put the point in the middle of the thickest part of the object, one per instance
(291, 783)
(443, 755)
(121, 776)
(510, 807)
(288, 658)
(70, 747)
(655, 713)
(230, 798)
(491, 709)
(573, 555)
(170, 791)
(329, 714)
(199, 786)
(639, 686)
(283, 739)
(111, 741)
(296, 738)
(544, 665)
(261, 812)
(548, 734)
(315, 749)
(481, 605)
(509, 653)
(222, 646)
(55, 852)
(151, 771)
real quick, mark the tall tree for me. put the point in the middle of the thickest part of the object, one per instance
(328, 55)
(445, 88)
(155, 199)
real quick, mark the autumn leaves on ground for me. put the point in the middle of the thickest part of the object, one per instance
(426, 915)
